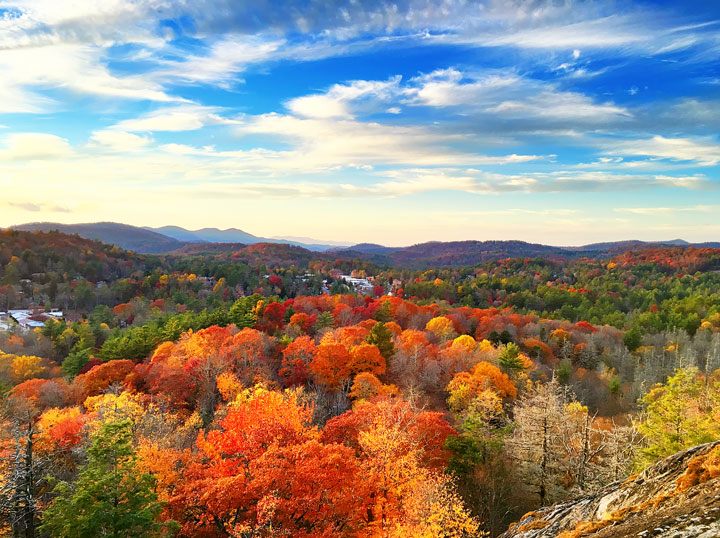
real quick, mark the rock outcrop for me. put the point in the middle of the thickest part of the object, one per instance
(678, 497)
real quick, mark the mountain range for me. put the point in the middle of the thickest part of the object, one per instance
(234, 235)
(242, 245)
(164, 239)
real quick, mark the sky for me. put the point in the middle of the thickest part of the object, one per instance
(561, 122)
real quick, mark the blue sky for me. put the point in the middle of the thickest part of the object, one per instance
(559, 122)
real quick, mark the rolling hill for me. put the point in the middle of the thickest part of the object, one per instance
(212, 241)
(122, 235)
(164, 239)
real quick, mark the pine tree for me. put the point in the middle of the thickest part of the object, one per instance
(510, 360)
(74, 362)
(242, 312)
(383, 313)
(381, 337)
(110, 498)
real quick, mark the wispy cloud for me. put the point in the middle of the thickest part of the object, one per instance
(177, 118)
(669, 210)
(702, 151)
(38, 207)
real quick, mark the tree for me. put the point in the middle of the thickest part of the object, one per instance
(381, 337)
(102, 376)
(331, 366)
(243, 312)
(367, 385)
(109, 498)
(297, 356)
(633, 339)
(511, 361)
(310, 489)
(324, 321)
(681, 413)
(536, 444)
(22, 485)
(27, 366)
(399, 451)
(442, 328)
(74, 362)
(218, 495)
(383, 314)
(466, 386)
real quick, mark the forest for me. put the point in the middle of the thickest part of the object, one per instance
(212, 395)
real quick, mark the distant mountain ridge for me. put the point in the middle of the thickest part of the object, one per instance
(212, 241)
(235, 235)
(147, 240)
(122, 235)
(457, 253)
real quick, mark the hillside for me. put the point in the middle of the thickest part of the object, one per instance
(122, 235)
(453, 254)
(678, 497)
(272, 254)
(457, 253)
(464, 253)
(43, 252)
(207, 249)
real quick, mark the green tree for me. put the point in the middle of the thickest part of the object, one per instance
(74, 362)
(381, 337)
(633, 338)
(325, 321)
(510, 360)
(110, 498)
(383, 313)
(680, 414)
(242, 311)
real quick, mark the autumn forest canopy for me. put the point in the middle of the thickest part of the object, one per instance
(205, 395)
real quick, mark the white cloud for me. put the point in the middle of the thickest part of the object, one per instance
(669, 210)
(38, 23)
(226, 58)
(77, 68)
(337, 100)
(604, 32)
(36, 206)
(702, 151)
(507, 95)
(119, 140)
(446, 87)
(328, 143)
(34, 146)
(178, 118)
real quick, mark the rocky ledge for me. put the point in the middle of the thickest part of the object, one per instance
(678, 497)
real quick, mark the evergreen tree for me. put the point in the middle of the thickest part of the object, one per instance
(680, 414)
(381, 337)
(383, 313)
(510, 360)
(110, 497)
(325, 321)
(74, 362)
(242, 312)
